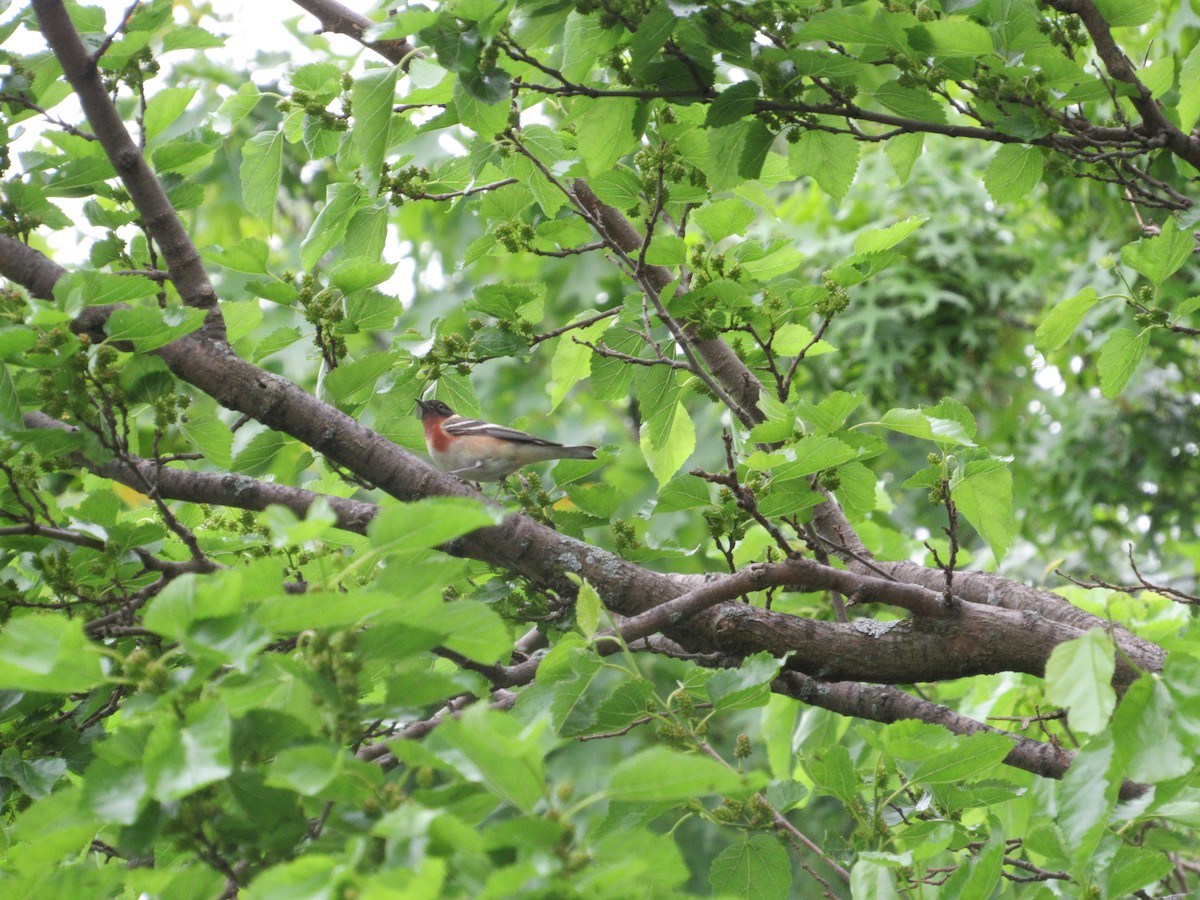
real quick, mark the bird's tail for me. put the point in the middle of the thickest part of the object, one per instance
(578, 451)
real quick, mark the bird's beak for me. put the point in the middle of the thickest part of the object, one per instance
(423, 405)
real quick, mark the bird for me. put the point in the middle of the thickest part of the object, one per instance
(482, 451)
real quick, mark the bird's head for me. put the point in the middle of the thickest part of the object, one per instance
(434, 409)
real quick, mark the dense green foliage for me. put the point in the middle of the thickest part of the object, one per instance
(244, 651)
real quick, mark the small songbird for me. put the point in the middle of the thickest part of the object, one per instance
(481, 451)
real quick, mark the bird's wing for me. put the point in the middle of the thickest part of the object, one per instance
(459, 426)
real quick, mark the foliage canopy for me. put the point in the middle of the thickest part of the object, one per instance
(885, 317)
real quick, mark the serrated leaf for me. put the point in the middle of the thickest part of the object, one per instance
(915, 423)
(605, 131)
(1160, 257)
(164, 107)
(1146, 730)
(1119, 358)
(372, 96)
(1079, 677)
(1062, 321)
(572, 361)
(341, 201)
(660, 775)
(903, 151)
(747, 686)
(262, 165)
(683, 492)
(211, 437)
(1013, 172)
(151, 327)
(1189, 91)
(951, 37)
(679, 440)
(48, 654)
(1127, 13)
(732, 104)
(984, 497)
(876, 240)
(758, 868)
(249, 255)
(587, 609)
(971, 758)
(428, 523)
(831, 160)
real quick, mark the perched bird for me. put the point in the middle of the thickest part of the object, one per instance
(481, 451)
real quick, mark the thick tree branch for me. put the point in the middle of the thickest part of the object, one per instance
(883, 703)
(1119, 67)
(158, 215)
(342, 20)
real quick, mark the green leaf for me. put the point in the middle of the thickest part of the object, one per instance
(48, 654)
(183, 759)
(977, 878)
(660, 775)
(1013, 172)
(678, 442)
(1189, 91)
(164, 108)
(833, 773)
(191, 37)
(951, 37)
(733, 103)
(912, 103)
(747, 686)
(805, 457)
(508, 763)
(724, 218)
(356, 274)
(510, 301)
(1119, 358)
(372, 96)
(152, 327)
(1127, 13)
(428, 523)
(114, 792)
(1146, 730)
(831, 159)
(682, 492)
(262, 165)
(876, 240)
(916, 423)
(856, 490)
(341, 201)
(605, 130)
(970, 759)
(572, 361)
(1160, 257)
(1079, 677)
(1086, 796)
(1135, 868)
(984, 497)
(350, 385)
(100, 288)
(237, 106)
(587, 608)
(757, 868)
(1062, 321)
(10, 403)
(212, 437)
(872, 879)
(248, 255)
(903, 151)
(182, 157)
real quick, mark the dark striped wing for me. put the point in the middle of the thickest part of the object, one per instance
(460, 426)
